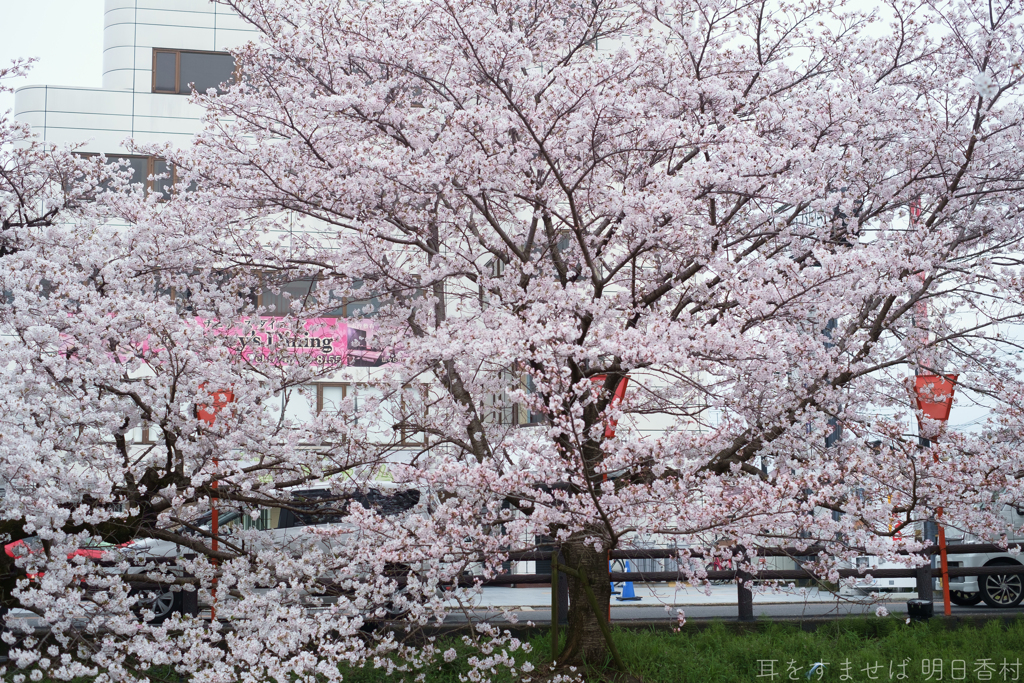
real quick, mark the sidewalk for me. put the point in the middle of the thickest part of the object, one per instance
(662, 594)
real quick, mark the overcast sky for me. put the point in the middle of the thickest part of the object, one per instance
(66, 36)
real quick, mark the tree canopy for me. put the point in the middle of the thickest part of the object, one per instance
(768, 216)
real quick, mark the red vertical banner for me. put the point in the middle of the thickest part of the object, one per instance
(208, 414)
(934, 397)
(620, 393)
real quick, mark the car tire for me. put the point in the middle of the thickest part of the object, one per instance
(965, 598)
(162, 603)
(1002, 590)
(718, 582)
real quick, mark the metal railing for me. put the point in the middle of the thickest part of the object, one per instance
(745, 607)
(743, 579)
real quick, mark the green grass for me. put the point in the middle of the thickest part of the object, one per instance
(718, 654)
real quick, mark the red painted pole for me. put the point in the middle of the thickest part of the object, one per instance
(935, 400)
(208, 414)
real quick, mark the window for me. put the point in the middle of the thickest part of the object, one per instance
(301, 291)
(142, 168)
(300, 404)
(317, 297)
(533, 418)
(392, 410)
(178, 72)
(499, 408)
(148, 434)
(318, 506)
(360, 308)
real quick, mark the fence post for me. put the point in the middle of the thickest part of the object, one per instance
(923, 576)
(563, 593)
(744, 580)
(554, 606)
(190, 601)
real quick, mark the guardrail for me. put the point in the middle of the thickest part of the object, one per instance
(743, 580)
(745, 607)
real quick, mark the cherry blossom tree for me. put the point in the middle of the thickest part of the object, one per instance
(710, 200)
(39, 185)
(33, 177)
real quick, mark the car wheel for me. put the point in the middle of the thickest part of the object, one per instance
(393, 610)
(965, 598)
(162, 603)
(1002, 590)
(721, 567)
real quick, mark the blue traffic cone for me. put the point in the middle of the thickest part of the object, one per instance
(612, 583)
(627, 590)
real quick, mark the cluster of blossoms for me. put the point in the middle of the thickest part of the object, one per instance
(740, 209)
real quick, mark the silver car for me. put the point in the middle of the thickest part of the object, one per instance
(293, 529)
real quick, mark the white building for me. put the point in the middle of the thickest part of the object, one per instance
(152, 51)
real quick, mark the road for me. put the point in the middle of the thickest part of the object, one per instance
(719, 602)
(778, 611)
(662, 603)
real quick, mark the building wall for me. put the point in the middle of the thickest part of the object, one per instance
(104, 119)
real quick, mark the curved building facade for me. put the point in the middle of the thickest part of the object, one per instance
(182, 42)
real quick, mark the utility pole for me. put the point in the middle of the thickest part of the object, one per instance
(931, 402)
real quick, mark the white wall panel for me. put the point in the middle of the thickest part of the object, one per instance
(149, 128)
(154, 17)
(118, 15)
(29, 99)
(228, 20)
(111, 5)
(230, 38)
(119, 34)
(94, 100)
(160, 137)
(170, 106)
(96, 142)
(177, 37)
(122, 79)
(36, 118)
(201, 6)
(86, 122)
(118, 63)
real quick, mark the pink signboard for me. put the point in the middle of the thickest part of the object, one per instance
(320, 341)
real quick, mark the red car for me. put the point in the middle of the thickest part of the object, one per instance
(32, 545)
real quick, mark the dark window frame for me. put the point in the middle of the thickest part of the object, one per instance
(347, 305)
(177, 71)
(177, 68)
(151, 162)
(150, 434)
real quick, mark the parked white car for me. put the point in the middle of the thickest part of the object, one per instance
(998, 590)
(286, 529)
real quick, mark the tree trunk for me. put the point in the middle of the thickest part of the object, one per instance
(584, 640)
